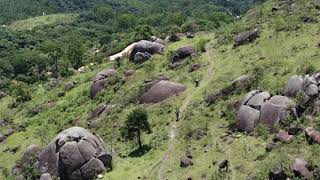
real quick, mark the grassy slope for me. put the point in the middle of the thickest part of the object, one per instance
(31, 23)
(279, 53)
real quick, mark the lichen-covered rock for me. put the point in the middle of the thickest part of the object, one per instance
(72, 155)
(101, 81)
(161, 91)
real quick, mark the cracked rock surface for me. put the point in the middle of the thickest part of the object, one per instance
(75, 153)
(261, 107)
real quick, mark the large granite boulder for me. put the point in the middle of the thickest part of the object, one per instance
(146, 47)
(161, 91)
(275, 110)
(101, 81)
(74, 154)
(246, 37)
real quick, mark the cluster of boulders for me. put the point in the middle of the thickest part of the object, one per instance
(74, 154)
(161, 90)
(261, 107)
(306, 85)
(143, 50)
(246, 37)
(101, 81)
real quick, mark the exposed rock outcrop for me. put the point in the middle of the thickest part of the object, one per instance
(246, 37)
(145, 47)
(161, 91)
(74, 154)
(182, 53)
(260, 107)
(101, 81)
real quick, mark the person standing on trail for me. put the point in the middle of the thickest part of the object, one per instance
(177, 114)
(197, 82)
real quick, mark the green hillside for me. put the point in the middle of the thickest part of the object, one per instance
(287, 45)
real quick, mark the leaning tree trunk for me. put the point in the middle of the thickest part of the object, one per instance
(139, 140)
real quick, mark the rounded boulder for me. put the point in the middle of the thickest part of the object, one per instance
(74, 154)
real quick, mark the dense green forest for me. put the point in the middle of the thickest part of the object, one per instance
(29, 54)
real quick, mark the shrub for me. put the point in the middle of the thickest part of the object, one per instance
(306, 68)
(20, 91)
(262, 131)
(201, 45)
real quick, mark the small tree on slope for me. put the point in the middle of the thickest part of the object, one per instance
(136, 123)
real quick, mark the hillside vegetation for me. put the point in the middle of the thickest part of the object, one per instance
(287, 45)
